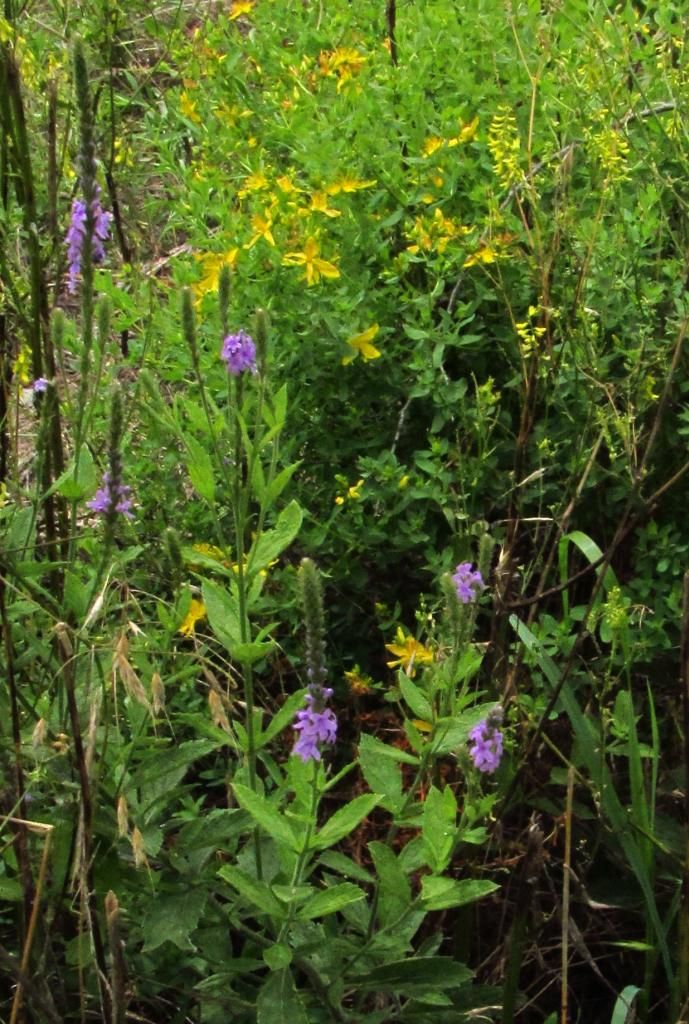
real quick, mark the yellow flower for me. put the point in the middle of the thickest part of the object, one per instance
(319, 204)
(286, 185)
(314, 266)
(348, 184)
(262, 224)
(358, 682)
(344, 62)
(188, 108)
(467, 133)
(404, 482)
(408, 653)
(197, 611)
(432, 143)
(353, 492)
(240, 7)
(212, 264)
(361, 346)
(21, 366)
(486, 254)
(256, 182)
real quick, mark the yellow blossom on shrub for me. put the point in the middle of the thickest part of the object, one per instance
(408, 652)
(309, 259)
(262, 226)
(240, 7)
(466, 134)
(256, 182)
(361, 346)
(212, 263)
(353, 492)
(197, 611)
(188, 108)
(343, 63)
(349, 184)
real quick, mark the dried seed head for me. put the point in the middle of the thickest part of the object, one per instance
(137, 841)
(218, 713)
(38, 734)
(122, 817)
(158, 693)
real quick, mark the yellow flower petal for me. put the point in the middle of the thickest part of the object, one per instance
(197, 611)
(361, 344)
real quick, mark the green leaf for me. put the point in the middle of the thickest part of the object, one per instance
(414, 698)
(381, 773)
(257, 893)
(344, 866)
(200, 469)
(273, 542)
(344, 821)
(278, 1002)
(439, 827)
(394, 894)
(172, 917)
(266, 815)
(75, 485)
(441, 893)
(161, 771)
(623, 1010)
(277, 956)
(223, 614)
(250, 653)
(431, 972)
(277, 485)
(330, 900)
(283, 717)
(449, 734)
(10, 889)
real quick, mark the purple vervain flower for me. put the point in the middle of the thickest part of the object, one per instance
(486, 739)
(109, 498)
(314, 727)
(40, 385)
(239, 353)
(77, 233)
(468, 581)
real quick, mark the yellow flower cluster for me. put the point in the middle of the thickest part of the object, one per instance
(433, 234)
(504, 146)
(343, 63)
(610, 149)
(529, 332)
(353, 493)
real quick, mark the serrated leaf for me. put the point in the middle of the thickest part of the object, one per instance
(414, 698)
(442, 893)
(172, 917)
(223, 614)
(273, 542)
(430, 972)
(330, 900)
(439, 827)
(381, 773)
(265, 815)
(344, 821)
(257, 893)
(200, 469)
(394, 888)
(75, 485)
(278, 1002)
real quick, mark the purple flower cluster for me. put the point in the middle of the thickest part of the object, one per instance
(486, 739)
(109, 498)
(40, 385)
(239, 353)
(468, 581)
(77, 234)
(316, 724)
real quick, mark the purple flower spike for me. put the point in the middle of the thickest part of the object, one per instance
(315, 727)
(468, 581)
(486, 740)
(40, 385)
(77, 234)
(109, 498)
(239, 353)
